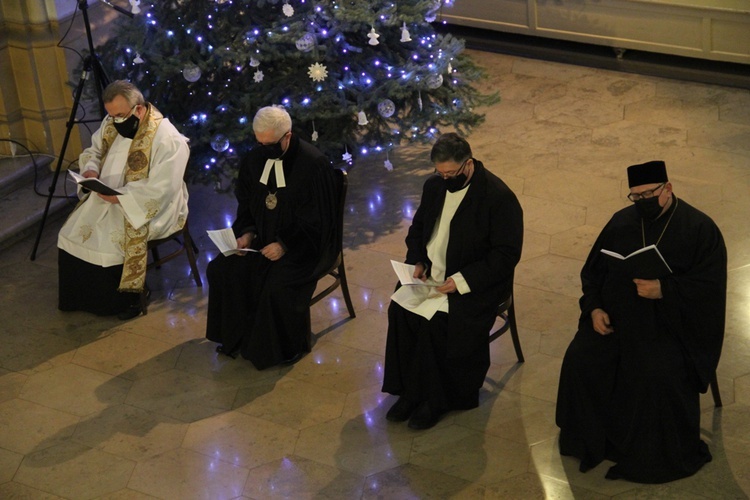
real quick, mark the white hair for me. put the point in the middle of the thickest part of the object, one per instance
(272, 118)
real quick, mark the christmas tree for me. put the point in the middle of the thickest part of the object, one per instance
(357, 77)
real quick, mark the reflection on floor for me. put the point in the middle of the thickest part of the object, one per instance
(98, 408)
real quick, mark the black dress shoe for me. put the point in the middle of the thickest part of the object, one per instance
(401, 410)
(424, 417)
(138, 308)
(225, 351)
(293, 359)
(131, 312)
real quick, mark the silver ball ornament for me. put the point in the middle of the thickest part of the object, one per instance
(219, 143)
(386, 108)
(191, 73)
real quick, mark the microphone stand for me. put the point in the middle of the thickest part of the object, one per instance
(91, 66)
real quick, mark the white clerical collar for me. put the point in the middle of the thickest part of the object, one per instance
(278, 167)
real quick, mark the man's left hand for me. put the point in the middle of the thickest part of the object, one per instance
(273, 251)
(448, 287)
(648, 289)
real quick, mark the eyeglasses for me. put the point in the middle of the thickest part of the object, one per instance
(450, 175)
(643, 195)
(275, 142)
(120, 119)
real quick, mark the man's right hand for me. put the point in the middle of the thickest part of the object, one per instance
(244, 241)
(419, 269)
(90, 173)
(600, 321)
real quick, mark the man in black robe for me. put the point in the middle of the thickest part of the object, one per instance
(645, 348)
(258, 301)
(466, 236)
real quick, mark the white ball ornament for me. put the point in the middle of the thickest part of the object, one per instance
(386, 108)
(219, 143)
(306, 42)
(434, 81)
(191, 73)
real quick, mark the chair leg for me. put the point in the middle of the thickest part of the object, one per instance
(191, 250)
(714, 384)
(514, 332)
(345, 290)
(155, 253)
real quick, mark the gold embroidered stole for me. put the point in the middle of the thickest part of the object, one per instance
(136, 240)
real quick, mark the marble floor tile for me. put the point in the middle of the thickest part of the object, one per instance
(73, 470)
(296, 477)
(183, 473)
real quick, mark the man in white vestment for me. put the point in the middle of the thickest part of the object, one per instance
(103, 244)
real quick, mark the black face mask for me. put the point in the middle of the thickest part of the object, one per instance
(272, 151)
(649, 208)
(129, 127)
(454, 184)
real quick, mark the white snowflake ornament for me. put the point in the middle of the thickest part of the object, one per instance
(347, 156)
(317, 72)
(405, 35)
(373, 36)
(258, 76)
(388, 165)
(288, 10)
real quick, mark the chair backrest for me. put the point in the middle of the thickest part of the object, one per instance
(342, 183)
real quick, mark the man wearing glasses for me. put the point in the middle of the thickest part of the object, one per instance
(645, 348)
(258, 302)
(465, 241)
(102, 253)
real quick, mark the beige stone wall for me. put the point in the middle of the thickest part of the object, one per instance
(35, 99)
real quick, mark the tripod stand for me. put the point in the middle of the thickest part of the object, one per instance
(91, 66)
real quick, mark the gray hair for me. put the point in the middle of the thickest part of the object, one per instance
(125, 89)
(272, 118)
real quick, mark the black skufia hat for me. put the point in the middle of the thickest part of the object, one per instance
(651, 172)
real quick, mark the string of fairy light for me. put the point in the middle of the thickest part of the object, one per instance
(424, 69)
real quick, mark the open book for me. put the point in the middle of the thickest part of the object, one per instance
(226, 242)
(92, 184)
(645, 263)
(405, 273)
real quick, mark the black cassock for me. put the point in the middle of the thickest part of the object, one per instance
(633, 396)
(258, 306)
(444, 360)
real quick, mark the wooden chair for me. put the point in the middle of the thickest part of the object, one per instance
(338, 270)
(507, 312)
(185, 244)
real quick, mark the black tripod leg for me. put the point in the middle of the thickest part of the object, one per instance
(69, 128)
(91, 65)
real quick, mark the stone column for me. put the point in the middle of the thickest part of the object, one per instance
(36, 96)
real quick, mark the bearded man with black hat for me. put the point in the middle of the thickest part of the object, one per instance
(258, 302)
(645, 348)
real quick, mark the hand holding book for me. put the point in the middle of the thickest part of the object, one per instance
(226, 242)
(644, 263)
(93, 184)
